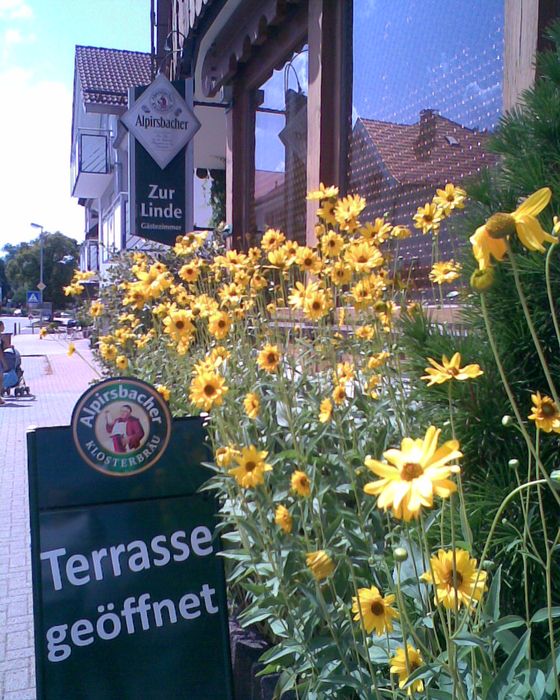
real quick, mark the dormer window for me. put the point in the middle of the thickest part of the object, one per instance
(452, 141)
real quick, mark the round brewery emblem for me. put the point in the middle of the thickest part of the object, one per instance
(162, 101)
(121, 426)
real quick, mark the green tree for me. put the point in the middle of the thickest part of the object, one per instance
(4, 284)
(22, 264)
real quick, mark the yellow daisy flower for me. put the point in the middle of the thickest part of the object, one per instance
(404, 663)
(331, 244)
(300, 483)
(489, 240)
(456, 578)
(224, 455)
(164, 391)
(252, 405)
(207, 389)
(325, 411)
(308, 260)
(121, 362)
(450, 369)
(347, 211)
(283, 519)
(413, 475)
(445, 271)
(320, 563)
(269, 358)
(450, 198)
(272, 239)
(251, 467)
(219, 324)
(317, 304)
(374, 611)
(324, 192)
(96, 308)
(428, 218)
(545, 413)
(71, 349)
(339, 394)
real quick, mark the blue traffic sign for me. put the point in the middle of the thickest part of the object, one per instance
(34, 297)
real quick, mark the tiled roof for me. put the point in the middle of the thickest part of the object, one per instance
(456, 151)
(106, 74)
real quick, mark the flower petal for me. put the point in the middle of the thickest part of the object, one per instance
(534, 204)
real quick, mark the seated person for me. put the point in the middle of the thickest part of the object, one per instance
(3, 363)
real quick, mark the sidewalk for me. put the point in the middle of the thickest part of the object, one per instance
(56, 382)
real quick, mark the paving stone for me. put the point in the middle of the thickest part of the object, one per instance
(56, 382)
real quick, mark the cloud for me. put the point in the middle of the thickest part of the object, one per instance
(15, 9)
(35, 128)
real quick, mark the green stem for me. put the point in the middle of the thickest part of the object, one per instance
(549, 291)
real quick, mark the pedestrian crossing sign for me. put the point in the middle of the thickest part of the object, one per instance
(34, 297)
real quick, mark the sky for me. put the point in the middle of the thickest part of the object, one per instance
(37, 40)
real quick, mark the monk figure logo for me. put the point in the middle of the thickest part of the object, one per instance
(121, 426)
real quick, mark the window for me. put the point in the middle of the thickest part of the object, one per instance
(427, 93)
(281, 150)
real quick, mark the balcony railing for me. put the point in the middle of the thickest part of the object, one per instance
(91, 163)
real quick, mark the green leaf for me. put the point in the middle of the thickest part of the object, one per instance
(504, 678)
(542, 614)
(492, 605)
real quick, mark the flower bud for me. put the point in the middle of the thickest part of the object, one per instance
(513, 464)
(507, 421)
(555, 475)
(500, 225)
(400, 554)
(488, 565)
(481, 280)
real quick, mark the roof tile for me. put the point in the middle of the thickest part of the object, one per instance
(106, 74)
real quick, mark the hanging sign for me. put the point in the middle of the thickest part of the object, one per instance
(161, 126)
(129, 593)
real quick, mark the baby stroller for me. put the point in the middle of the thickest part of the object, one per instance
(13, 375)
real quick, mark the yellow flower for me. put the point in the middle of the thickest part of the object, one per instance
(320, 563)
(326, 212)
(404, 663)
(96, 308)
(347, 210)
(258, 281)
(489, 239)
(283, 519)
(308, 260)
(379, 359)
(317, 304)
(252, 405)
(252, 467)
(340, 274)
(224, 455)
(456, 578)
(107, 351)
(278, 258)
(324, 192)
(231, 294)
(445, 271)
(545, 413)
(365, 332)
(272, 239)
(363, 257)
(121, 362)
(450, 369)
(374, 611)
(401, 232)
(413, 475)
(339, 394)
(190, 271)
(331, 244)
(71, 349)
(300, 483)
(178, 324)
(207, 389)
(269, 358)
(345, 372)
(450, 198)
(325, 411)
(42, 333)
(164, 391)
(428, 218)
(219, 324)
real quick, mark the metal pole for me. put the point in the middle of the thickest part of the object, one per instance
(41, 259)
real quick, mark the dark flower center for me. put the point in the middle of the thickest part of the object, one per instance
(377, 608)
(454, 579)
(249, 466)
(209, 390)
(271, 358)
(179, 325)
(548, 410)
(411, 470)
